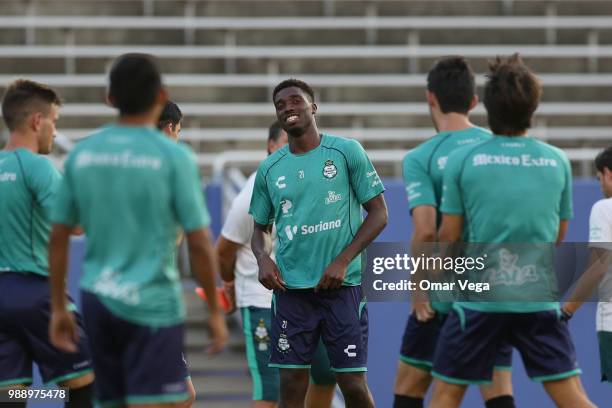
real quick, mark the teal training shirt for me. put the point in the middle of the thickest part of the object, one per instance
(511, 190)
(28, 186)
(423, 169)
(129, 188)
(315, 201)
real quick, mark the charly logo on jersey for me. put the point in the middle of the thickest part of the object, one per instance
(332, 197)
(261, 336)
(292, 230)
(286, 206)
(329, 169)
(280, 182)
(351, 350)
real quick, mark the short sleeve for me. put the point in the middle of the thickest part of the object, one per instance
(261, 204)
(238, 225)
(600, 225)
(452, 199)
(45, 181)
(65, 210)
(363, 176)
(418, 184)
(566, 208)
(189, 201)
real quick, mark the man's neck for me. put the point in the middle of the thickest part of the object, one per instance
(145, 120)
(452, 122)
(20, 141)
(306, 142)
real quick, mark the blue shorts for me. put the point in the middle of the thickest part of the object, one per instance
(420, 340)
(24, 334)
(469, 342)
(134, 364)
(300, 317)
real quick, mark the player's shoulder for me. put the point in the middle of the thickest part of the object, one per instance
(343, 144)
(273, 159)
(33, 162)
(421, 153)
(603, 206)
(548, 147)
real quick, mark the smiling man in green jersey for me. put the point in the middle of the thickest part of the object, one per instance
(129, 187)
(313, 189)
(28, 189)
(451, 95)
(517, 190)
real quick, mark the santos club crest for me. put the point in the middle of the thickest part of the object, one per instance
(330, 170)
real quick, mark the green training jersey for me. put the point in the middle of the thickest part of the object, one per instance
(129, 188)
(28, 186)
(315, 201)
(515, 191)
(423, 168)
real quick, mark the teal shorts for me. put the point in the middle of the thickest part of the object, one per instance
(256, 325)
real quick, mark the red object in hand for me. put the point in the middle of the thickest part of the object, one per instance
(221, 297)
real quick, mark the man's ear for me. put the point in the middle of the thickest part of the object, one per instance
(110, 100)
(314, 108)
(432, 101)
(473, 102)
(35, 121)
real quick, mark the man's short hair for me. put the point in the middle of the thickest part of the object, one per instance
(24, 97)
(511, 96)
(292, 82)
(604, 160)
(274, 132)
(451, 79)
(170, 114)
(135, 81)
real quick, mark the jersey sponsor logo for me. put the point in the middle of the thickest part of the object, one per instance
(280, 182)
(286, 205)
(329, 169)
(524, 160)
(371, 173)
(125, 159)
(108, 285)
(467, 141)
(350, 350)
(6, 176)
(332, 197)
(442, 162)
(292, 230)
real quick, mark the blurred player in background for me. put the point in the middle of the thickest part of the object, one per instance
(313, 190)
(28, 189)
(129, 187)
(451, 95)
(239, 271)
(599, 272)
(508, 189)
(169, 122)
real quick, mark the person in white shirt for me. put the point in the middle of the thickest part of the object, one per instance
(599, 272)
(239, 272)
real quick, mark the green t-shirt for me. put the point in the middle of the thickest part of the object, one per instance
(28, 186)
(315, 201)
(511, 190)
(129, 188)
(423, 168)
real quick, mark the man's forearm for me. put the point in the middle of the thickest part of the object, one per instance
(258, 241)
(373, 224)
(204, 266)
(58, 264)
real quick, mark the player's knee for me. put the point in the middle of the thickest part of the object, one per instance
(411, 381)
(78, 382)
(353, 386)
(294, 383)
(190, 399)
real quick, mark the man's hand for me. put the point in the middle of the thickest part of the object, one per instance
(333, 276)
(422, 310)
(63, 331)
(269, 275)
(218, 331)
(230, 293)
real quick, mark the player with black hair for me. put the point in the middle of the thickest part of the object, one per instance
(28, 189)
(451, 95)
(313, 190)
(128, 186)
(170, 120)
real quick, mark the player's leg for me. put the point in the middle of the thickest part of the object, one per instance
(416, 359)
(322, 380)
(499, 393)
(294, 338)
(192, 394)
(345, 334)
(465, 354)
(604, 337)
(548, 354)
(256, 324)
(15, 365)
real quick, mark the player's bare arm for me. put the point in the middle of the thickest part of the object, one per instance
(205, 270)
(226, 254)
(373, 224)
(599, 263)
(63, 331)
(269, 275)
(424, 222)
(451, 228)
